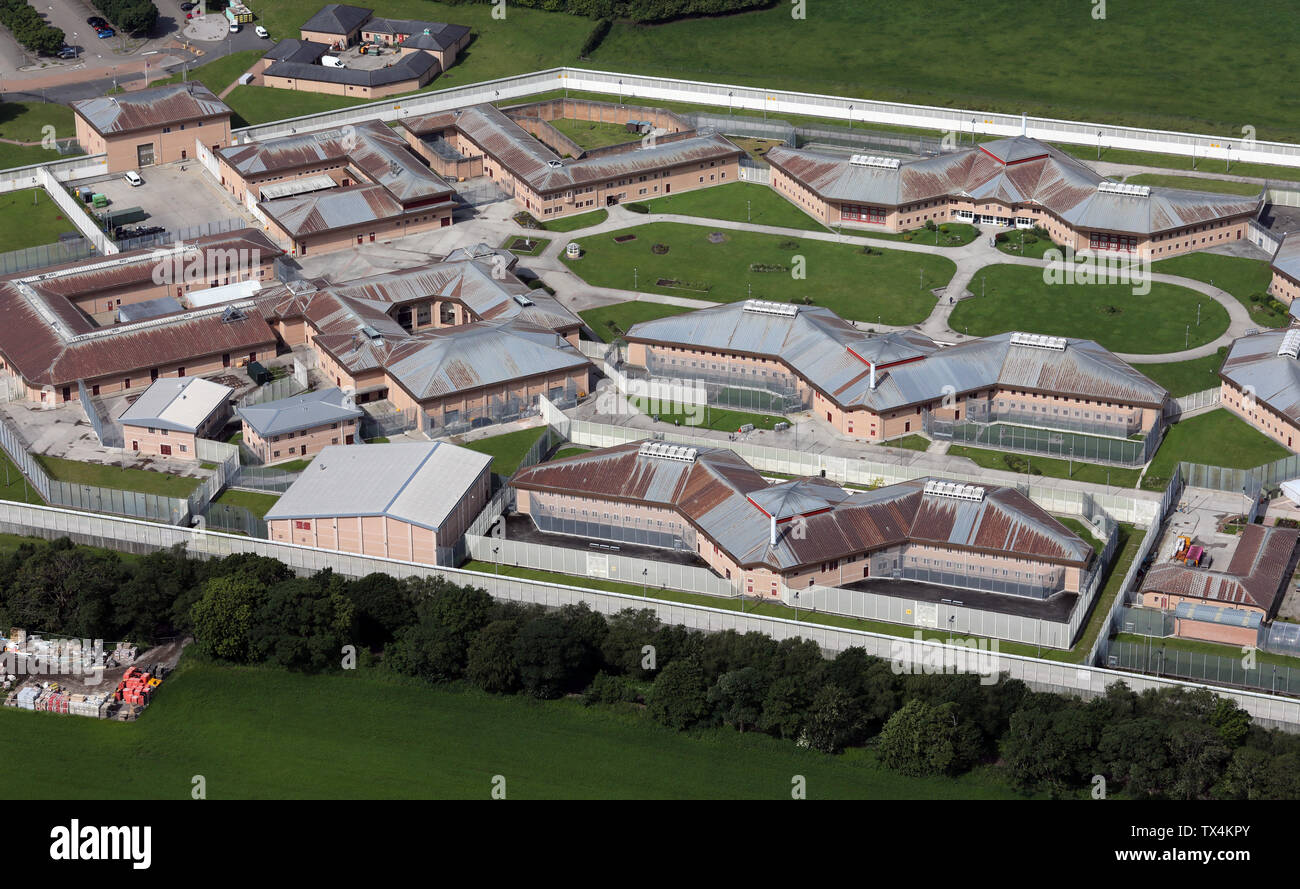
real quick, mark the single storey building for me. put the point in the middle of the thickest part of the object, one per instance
(152, 126)
(1260, 382)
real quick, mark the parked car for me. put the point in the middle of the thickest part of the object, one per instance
(187, 6)
(105, 33)
(133, 178)
(97, 22)
(262, 32)
(69, 52)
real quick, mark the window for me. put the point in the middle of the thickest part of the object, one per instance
(861, 213)
(301, 526)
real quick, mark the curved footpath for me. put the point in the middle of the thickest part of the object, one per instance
(578, 295)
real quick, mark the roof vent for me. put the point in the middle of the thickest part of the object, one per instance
(554, 164)
(232, 314)
(868, 160)
(523, 300)
(1038, 341)
(1134, 191)
(764, 307)
(1290, 347)
(955, 490)
(371, 334)
(666, 451)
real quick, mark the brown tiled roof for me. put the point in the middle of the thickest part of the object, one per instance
(151, 108)
(1256, 576)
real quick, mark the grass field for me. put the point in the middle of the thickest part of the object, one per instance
(738, 202)
(1083, 530)
(261, 104)
(1094, 473)
(28, 223)
(258, 504)
(910, 442)
(1216, 438)
(13, 484)
(221, 73)
(888, 287)
(1015, 244)
(572, 223)
(26, 121)
(590, 134)
(1231, 652)
(611, 322)
(1015, 298)
(568, 452)
(1193, 183)
(1236, 274)
(269, 734)
(1185, 377)
(506, 450)
(709, 417)
(959, 234)
(145, 481)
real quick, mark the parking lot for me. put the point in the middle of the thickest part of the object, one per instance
(174, 195)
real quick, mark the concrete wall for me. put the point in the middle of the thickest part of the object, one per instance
(1260, 415)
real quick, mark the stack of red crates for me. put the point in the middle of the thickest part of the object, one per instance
(55, 702)
(134, 687)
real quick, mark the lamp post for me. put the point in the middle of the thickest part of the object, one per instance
(496, 560)
(1187, 336)
(796, 605)
(634, 272)
(1099, 145)
(729, 106)
(645, 574)
(850, 117)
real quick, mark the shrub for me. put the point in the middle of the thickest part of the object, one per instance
(595, 38)
(659, 249)
(943, 229)
(907, 237)
(637, 207)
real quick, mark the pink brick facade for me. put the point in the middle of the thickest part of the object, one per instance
(1263, 417)
(300, 443)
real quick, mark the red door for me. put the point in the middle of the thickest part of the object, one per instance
(135, 445)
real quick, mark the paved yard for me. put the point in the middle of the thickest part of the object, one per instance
(174, 195)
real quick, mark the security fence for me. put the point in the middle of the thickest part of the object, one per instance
(868, 139)
(1176, 408)
(1159, 659)
(81, 167)
(386, 424)
(1056, 443)
(1146, 621)
(481, 192)
(496, 410)
(74, 211)
(235, 520)
(745, 127)
(735, 387)
(17, 261)
(185, 233)
(107, 429)
(264, 478)
(129, 535)
(285, 387)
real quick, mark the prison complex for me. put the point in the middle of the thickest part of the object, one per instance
(1260, 382)
(767, 538)
(1017, 181)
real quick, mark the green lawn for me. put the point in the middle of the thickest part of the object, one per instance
(26, 121)
(569, 452)
(262, 104)
(1016, 298)
(710, 417)
(1185, 377)
(25, 222)
(506, 450)
(1216, 438)
(1094, 473)
(910, 442)
(1015, 245)
(270, 734)
(1130, 538)
(959, 234)
(221, 73)
(888, 286)
(590, 134)
(145, 481)
(1239, 276)
(537, 245)
(1231, 652)
(577, 221)
(611, 322)
(1192, 183)
(258, 504)
(291, 465)
(738, 202)
(1084, 530)
(14, 485)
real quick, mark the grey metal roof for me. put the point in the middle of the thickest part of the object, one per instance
(416, 482)
(1287, 258)
(1254, 365)
(420, 35)
(180, 405)
(371, 147)
(320, 211)
(150, 108)
(149, 308)
(1014, 171)
(545, 171)
(730, 502)
(305, 411)
(337, 18)
(410, 66)
(291, 49)
(1232, 617)
(835, 357)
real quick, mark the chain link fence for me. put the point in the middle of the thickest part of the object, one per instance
(1158, 659)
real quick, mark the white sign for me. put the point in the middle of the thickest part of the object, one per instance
(927, 614)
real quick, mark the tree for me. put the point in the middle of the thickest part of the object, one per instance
(143, 604)
(679, 697)
(65, 589)
(382, 605)
(1135, 752)
(921, 740)
(559, 651)
(303, 623)
(630, 631)
(737, 697)
(1200, 757)
(223, 616)
(1048, 744)
(436, 646)
(833, 718)
(785, 707)
(1231, 722)
(491, 661)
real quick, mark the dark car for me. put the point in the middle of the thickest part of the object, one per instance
(104, 33)
(97, 22)
(187, 6)
(69, 52)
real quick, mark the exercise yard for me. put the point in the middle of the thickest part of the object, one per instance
(737, 202)
(29, 218)
(886, 287)
(611, 322)
(1016, 298)
(707, 417)
(590, 134)
(1186, 377)
(1216, 438)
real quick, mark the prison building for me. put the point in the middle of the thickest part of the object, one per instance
(59, 331)
(879, 387)
(771, 538)
(409, 501)
(484, 138)
(1285, 282)
(1018, 182)
(1254, 582)
(339, 26)
(168, 416)
(334, 188)
(152, 126)
(1260, 383)
(299, 426)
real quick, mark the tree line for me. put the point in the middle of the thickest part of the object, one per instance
(132, 16)
(635, 10)
(28, 28)
(248, 609)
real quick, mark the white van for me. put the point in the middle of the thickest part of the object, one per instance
(234, 27)
(261, 32)
(332, 62)
(133, 178)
